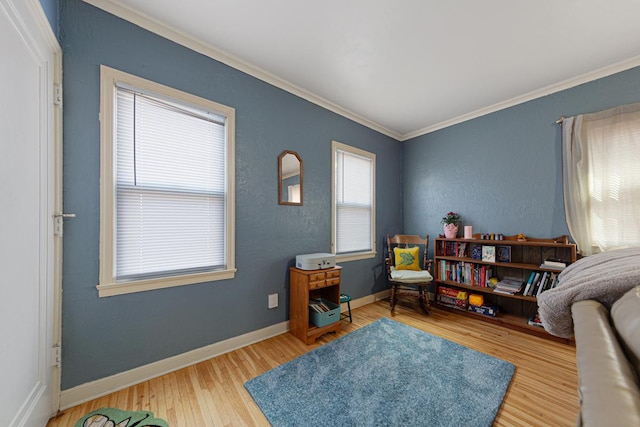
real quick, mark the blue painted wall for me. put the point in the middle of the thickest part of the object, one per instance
(50, 8)
(104, 336)
(503, 172)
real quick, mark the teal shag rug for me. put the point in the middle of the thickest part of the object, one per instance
(384, 374)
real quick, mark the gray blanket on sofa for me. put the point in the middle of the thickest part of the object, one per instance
(603, 277)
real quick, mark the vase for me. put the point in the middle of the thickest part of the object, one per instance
(450, 231)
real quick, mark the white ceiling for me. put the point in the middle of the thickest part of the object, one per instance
(405, 67)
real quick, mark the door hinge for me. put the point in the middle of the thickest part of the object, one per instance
(56, 358)
(57, 94)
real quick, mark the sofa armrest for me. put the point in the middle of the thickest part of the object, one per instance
(609, 393)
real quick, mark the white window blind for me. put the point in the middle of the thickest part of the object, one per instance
(353, 201)
(166, 186)
(170, 188)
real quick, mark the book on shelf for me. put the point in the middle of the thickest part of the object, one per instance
(318, 306)
(534, 285)
(554, 263)
(540, 281)
(543, 283)
(462, 247)
(508, 286)
(457, 249)
(550, 282)
(529, 283)
(553, 281)
(464, 272)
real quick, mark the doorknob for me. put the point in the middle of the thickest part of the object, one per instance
(58, 219)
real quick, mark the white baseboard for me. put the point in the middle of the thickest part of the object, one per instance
(366, 300)
(98, 388)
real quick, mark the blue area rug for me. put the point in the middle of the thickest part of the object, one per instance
(384, 374)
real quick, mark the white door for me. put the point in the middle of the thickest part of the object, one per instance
(27, 136)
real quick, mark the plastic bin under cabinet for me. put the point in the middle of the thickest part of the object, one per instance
(327, 317)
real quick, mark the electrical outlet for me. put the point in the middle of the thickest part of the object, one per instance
(273, 300)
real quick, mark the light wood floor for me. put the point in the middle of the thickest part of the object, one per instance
(211, 393)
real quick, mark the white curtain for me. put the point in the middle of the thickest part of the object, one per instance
(601, 177)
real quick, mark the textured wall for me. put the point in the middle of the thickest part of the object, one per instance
(105, 336)
(503, 172)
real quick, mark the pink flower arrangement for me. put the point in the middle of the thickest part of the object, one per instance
(451, 218)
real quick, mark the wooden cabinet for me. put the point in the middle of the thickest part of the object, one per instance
(311, 284)
(514, 259)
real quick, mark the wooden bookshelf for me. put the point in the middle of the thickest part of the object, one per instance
(524, 257)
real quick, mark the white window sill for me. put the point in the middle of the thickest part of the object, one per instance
(355, 257)
(112, 289)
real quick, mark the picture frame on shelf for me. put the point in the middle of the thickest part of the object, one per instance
(488, 253)
(476, 252)
(503, 253)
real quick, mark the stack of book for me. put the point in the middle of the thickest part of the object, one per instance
(508, 286)
(453, 298)
(318, 306)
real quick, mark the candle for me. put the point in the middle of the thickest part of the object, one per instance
(468, 232)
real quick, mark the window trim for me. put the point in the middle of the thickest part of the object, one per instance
(335, 146)
(108, 286)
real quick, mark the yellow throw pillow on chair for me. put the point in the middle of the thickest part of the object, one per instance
(407, 259)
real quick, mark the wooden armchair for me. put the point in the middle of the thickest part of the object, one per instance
(408, 268)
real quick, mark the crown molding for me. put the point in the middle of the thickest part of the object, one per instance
(122, 11)
(116, 8)
(32, 11)
(44, 25)
(554, 88)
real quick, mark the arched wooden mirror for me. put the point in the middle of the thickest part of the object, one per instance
(289, 178)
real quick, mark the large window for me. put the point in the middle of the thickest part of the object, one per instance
(353, 203)
(166, 187)
(601, 154)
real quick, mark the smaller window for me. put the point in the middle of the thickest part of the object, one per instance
(353, 203)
